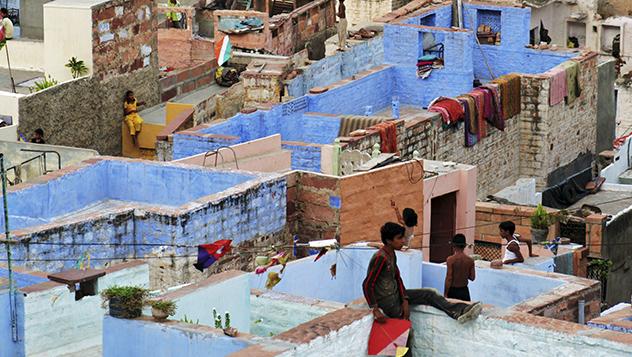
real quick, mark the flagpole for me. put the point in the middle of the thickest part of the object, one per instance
(6, 48)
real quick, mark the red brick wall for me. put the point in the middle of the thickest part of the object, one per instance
(562, 303)
(309, 212)
(124, 37)
(186, 80)
(489, 215)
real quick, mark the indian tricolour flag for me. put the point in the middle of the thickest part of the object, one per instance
(223, 50)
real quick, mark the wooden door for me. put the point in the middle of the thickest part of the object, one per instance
(442, 226)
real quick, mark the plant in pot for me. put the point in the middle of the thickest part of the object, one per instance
(125, 301)
(540, 222)
(161, 309)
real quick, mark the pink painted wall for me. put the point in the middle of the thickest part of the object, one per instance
(463, 182)
(262, 155)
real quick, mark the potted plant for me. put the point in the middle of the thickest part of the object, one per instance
(540, 222)
(161, 309)
(125, 301)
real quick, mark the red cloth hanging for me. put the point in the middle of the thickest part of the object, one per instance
(452, 106)
(388, 136)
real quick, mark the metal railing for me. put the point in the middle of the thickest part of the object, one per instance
(217, 153)
(17, 169)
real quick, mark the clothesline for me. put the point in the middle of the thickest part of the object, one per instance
(492, 103)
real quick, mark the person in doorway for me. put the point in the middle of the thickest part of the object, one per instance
(384, 290)
(132, 119)
(342, 26)
(512, 250)
(174, 18)
(6, 23)
(460, 270)
(38, 137)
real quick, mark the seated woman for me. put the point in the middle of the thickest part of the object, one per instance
(132, 119)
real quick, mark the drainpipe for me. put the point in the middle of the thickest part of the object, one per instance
(12, 292)
(581, 304)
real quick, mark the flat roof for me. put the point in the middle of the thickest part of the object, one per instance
(610, 202)
(76, 4)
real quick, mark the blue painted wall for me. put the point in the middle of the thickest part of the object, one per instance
(375, 89)
(7, 346)
(21, 280)
(123, 337)
(259, 210)
(351, 270)
(496, 287)
(232, 295)
(440, 17)
(116, 180)
(511, 55)
(404, 45)
(341, 65)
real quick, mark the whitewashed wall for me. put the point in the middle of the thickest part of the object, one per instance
(56, 324)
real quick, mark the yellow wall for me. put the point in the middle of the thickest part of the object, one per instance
(147, 137)
(173, 109)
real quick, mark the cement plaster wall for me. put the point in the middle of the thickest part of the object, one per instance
(249, 208)
(495, 287)
(347, 285)
(123, 337)
(197, 302)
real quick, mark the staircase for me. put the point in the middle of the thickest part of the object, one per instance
(281, 7)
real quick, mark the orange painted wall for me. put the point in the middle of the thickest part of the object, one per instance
(366, 201)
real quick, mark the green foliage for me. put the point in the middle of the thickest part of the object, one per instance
(77, 67)
(541, 219)
(600, 267)
(46, 82)
(227, 320)
(130, 297)
(217, 318)
(167, 306)
(186, 320)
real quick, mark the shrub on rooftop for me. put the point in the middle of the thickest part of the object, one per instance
(161, 309)
(125, 301)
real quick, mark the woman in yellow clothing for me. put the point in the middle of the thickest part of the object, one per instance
(132, 119)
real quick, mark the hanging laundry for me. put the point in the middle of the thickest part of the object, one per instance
(388, 136)
(468, 105)
(449, 108)
(558, 87)
(572, 81)
(210, 253)
(496, 118)
(273, 280)
(510, 94)
(479, 98)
